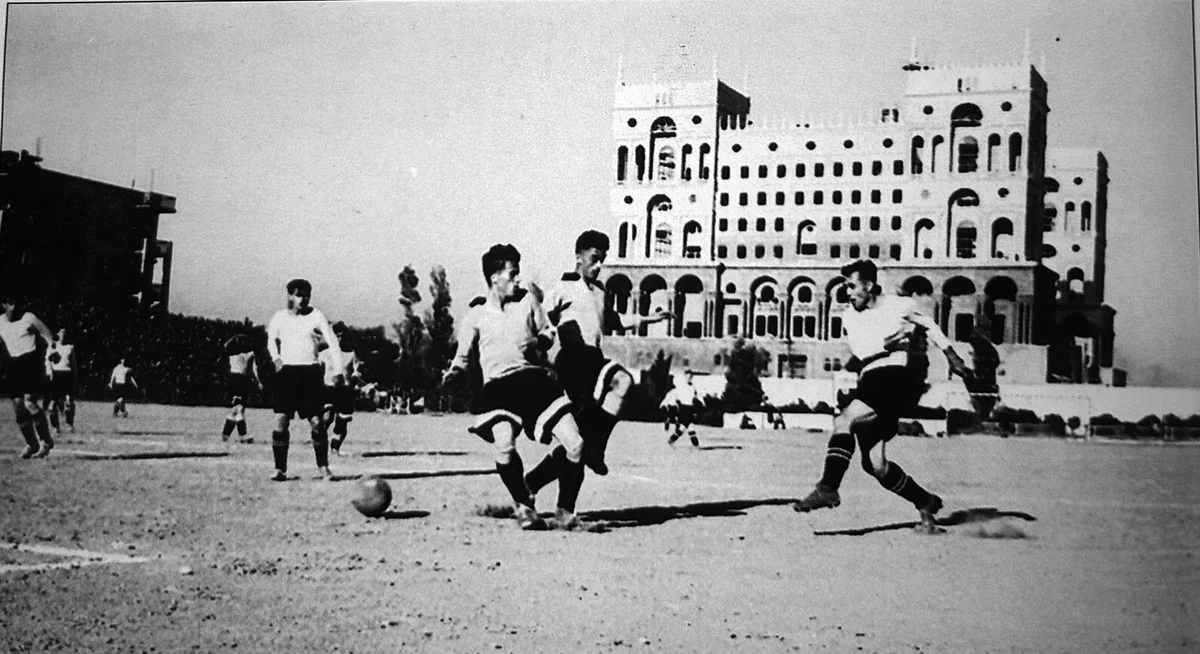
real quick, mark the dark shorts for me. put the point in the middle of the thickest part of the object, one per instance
(584, 373)
(889, 390)
(122, 390)
(26, 375)
(299, 390)
(684, 414)
(63, 384)
(529, 398)
(341, 398)
(238, 387)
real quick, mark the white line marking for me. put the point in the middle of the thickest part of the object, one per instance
(80, 558)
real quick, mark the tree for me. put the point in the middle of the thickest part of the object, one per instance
(439, 323)
(742, 388)
(412, 376)
(660, 377)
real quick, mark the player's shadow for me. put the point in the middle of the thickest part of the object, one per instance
(960, 517)
(416, 474)
(385, 453)
(645, 516)
(403, 515)
(149, 433)
(718, 447)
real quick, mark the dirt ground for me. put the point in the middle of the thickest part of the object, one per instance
(1094, 547)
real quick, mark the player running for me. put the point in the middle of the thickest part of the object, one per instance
(340, 391)
(25, 339)
(508, 331)
(293, 335)
(596, 386)
(685, 398)
(122, 383)
(64, 381)
(241, 379)
(878, 330)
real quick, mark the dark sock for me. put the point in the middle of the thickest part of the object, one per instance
(896, 480)
(513, 476)
(28, 432)
(544, 472)
(54, 419)
(279, 447)
(70, 414)
(837, 459)
(570, 480)
(42, 428)
(228, 428)
(241, 427)
(320, 441)
(595, 425)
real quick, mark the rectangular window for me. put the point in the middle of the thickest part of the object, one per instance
(855, 197)
(760, 224)
(835, 251)
(894, 252)
(855, 251)
(732, 326)
(780, 198)
(724, 199)
(760, 251)
(760, 325)
(724, 172)
(856, 168)
(742, 224)
(895, 222)
(897, 196)
(762, 171)
(799, 198)
(837, 169)
(778, 251)
(799, 170)
(781, 171)
(745, 171)
(779, 224)
(819, 170)
(873, 251)
(723, 224)
(835, 327)
(722, 251)
(837, 197)
(743, 199)
(773, 325)
(762, 198)
(898, 167)
(874, 223)
(876, 167)
(876, 197)
(855, 223)
(818, 197)
(741, 251)
(837, 223)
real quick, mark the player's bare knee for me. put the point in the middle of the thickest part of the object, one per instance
(875, 463)
(567, 433)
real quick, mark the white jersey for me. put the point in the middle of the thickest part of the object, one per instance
(21, 335)
(120, 375)
(573, 300)
(506, 337)
(346, 367)
(241, 363)
(294, 337)
(65, 361)
(867, 330)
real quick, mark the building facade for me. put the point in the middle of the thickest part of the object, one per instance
(739, 225)
(72, 239)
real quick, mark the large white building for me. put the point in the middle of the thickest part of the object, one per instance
(739, 224)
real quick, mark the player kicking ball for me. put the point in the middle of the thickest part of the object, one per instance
(877, 330)
(241, 379)
(293, 335)
(509, 333)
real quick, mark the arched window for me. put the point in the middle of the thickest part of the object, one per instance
(921, 242)
(1068, 215)
(685, 173)
(1014, 152)
(691, 246)
(705, 149)
(666, 164)
(993, 144)
(1049, 214)
(639, 158)
(1002, 231)
(1075, 280)
(662, 240)
(934, 144)
(916, 164)
(622, 240)
(622, 162)
(964, 238)
(968, 154)
(1085, 217)
(801, 246)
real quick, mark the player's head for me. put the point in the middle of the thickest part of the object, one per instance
(861, 277)
(9, 302)
(591, 249)
(502, 269)
(299, 293)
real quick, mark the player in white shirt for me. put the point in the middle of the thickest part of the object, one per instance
(294, 335)
(122, 383)
(64, 380)
(241, 379)
(25, 339)
(596, 385)
(508, 332)
(878, 330)
(685, 398)
(340, 390)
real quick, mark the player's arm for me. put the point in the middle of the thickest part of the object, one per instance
(618, 326)
(273, 337)
(468, 334)
(335, 348)
(539, 323)
(938, 339)
(42, 330)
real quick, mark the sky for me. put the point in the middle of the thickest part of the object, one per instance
(342, 141)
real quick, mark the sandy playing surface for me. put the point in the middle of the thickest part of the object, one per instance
(692, 550)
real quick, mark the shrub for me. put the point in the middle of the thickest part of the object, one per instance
(1055, 422)
(1192, 421)
(1104, 419)
(1074, 422)
(1149, 421)
(1172, 420)
(961, 420)
(823, 407)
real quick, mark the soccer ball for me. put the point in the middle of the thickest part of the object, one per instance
(374, 496)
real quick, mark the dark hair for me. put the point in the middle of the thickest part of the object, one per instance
(496, 256)
(591, 239)
(864, 267)
(301, 285)
(338, 327)
(916, 286)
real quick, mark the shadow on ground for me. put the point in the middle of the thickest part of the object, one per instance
(403, 515)
(960, 517)
(383, 453)
(645, 516)
(416, 474)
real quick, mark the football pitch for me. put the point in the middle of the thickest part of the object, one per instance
(149, 533)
